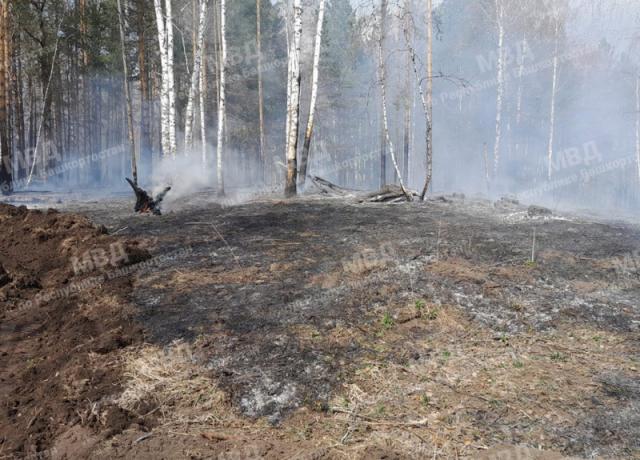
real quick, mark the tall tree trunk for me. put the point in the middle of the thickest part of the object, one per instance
(287, 27)
(304, 159)
(164, 80)
(202, 94)
(406, 142)
(47, 66)
(84, 84)
(500, 85)
(171, 79)
(520, 88)
(221, 100)
(194, 30)
(263, 159)
(83, 32)
(552, 113)
(294, 100)
(638, 123)
(145, 99)
(216, 53)
(383, 137)
(428, 103)
(408, 99)
(195, 76)
(20, 124)
(6, 158)
(485, 161)
(127, 95)
(383, 91)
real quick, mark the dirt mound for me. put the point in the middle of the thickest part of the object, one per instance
(63, 315)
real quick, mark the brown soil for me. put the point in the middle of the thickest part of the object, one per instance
(59, 362)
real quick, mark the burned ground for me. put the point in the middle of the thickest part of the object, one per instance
(334, 327)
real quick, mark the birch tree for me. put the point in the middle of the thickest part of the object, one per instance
(408, 99)
(171, 79)
(521, 59)
(202, 94)
(638, 123)
(500, 84)
(287, 34)
(164, 81)
(383, 92)
(127, 94)
(304, 159)
(382, 121)
(195, 75)
(164, 22)
(293, 99)
(221, 96)
(260, 87)
(554, 87)
(428, 102)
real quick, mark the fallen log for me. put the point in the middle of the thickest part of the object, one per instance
(388, 194)
(329, 188)
(145, 203)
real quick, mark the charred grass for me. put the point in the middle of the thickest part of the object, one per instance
(331, 329)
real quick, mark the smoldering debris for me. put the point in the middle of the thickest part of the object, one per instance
(145, 203)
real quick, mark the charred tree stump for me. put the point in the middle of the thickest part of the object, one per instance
(145, 203)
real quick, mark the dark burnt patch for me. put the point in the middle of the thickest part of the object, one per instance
(250, 276)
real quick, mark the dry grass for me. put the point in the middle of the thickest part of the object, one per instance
(216, 276)
(459, 393)
(170, 381)
(459, 269)
(475, 390)
(588, 287)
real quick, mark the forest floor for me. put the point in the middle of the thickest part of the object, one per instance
(318, 328)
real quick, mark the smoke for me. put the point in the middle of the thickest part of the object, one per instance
(185, 174)
(593, 162)
(193, 179)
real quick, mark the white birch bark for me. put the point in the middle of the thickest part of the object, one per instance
(520, 89)
(383, 136)
(385, 120)
(429, 101)
(195, 76)
(289, 69)
(408, 99)
(216, 49)
(485, 159)
(500, 86)
(638, 123)
(164, 91)
(552, 114)
(202, 90)
(423, 98)
(260, 88)
(294, 100)
(304, 160)
(222, 97)
(171, 78)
